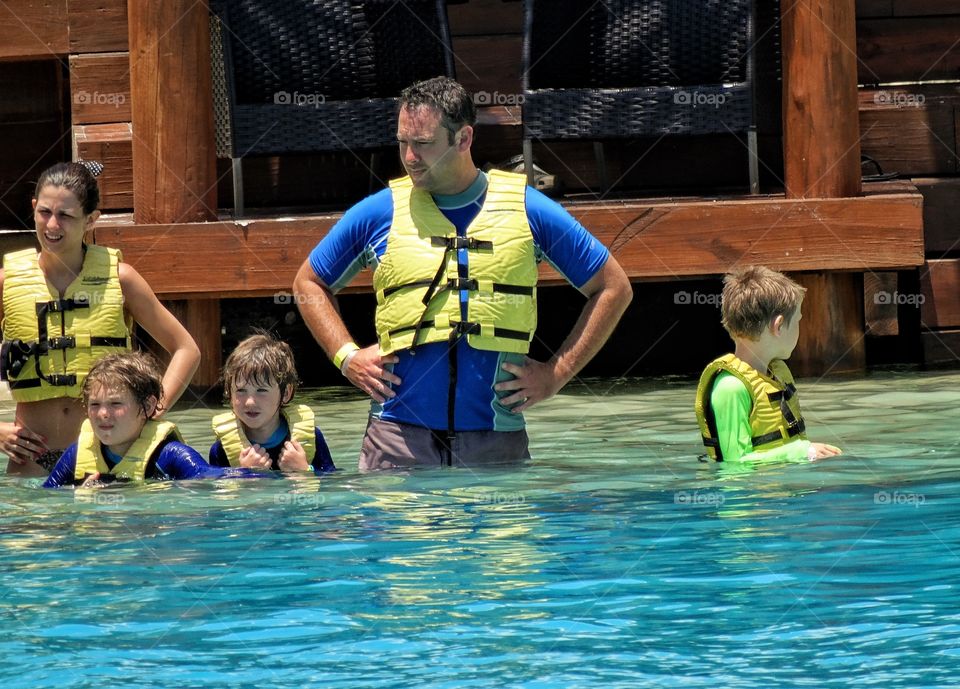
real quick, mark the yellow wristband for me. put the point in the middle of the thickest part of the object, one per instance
(344, 352)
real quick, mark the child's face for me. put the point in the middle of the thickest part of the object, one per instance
(257, 404)
(116, 417)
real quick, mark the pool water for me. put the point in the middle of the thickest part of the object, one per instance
(614, 559)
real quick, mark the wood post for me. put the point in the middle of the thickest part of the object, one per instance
(831, 332)
(821, 122)
(174, 156)
(821, 148)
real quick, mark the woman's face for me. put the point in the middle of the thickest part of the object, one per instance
(59, 220)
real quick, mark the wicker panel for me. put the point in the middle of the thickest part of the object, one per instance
(637, 112)
(626, 43)
(626, 68)
(320, 75)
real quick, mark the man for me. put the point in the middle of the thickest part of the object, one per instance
(454, 253)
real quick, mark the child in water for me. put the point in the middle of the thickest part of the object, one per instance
(121, 438)
(747, 406)
(261, 431)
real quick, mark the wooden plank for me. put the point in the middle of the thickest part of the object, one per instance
(97, 26)
(201, 318)
(874, 8)
(941, 347)
(33, 29)
(910, 130)
(485, 17)
(940, 293)
(821, 131)
(908, 49)
(941, 214)
(879, 306)
(174, 153)
(110, 144)
(100, 88)
(831, 339)
(488, 63)
(924, 8)
(657, 240)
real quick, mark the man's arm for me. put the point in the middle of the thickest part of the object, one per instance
(318, 306)
(608, 294)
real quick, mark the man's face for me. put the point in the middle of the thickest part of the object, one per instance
(425, 149)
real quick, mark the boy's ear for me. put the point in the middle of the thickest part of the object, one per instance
(776, 325)
(287, 393)
(150, 406)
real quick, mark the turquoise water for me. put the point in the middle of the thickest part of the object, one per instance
(613, 560)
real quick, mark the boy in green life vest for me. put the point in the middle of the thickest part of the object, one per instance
(747, 405)
(262, 430)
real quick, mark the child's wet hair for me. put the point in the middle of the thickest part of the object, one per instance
(77, 179)
(261, 359)
(138, 372)
(755, 295)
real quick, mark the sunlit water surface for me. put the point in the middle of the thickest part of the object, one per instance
(614, 559)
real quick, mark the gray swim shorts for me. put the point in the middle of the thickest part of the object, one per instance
(389, 445)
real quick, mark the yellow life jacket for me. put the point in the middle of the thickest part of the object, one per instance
(418, 281)
(775, 417)
(230, 433)
(51, 342)
(134, 464)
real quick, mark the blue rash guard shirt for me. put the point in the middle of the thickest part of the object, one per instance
(322, 461)
(173, 460)
(359, 240)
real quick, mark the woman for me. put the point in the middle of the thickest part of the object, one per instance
(62, 309)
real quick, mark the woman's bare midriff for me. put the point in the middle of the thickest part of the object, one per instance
(57, 421)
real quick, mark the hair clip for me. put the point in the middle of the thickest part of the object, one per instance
(93, 166)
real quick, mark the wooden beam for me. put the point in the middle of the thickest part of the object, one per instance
(821, 126)
(111, 145)
(100, 88)
(832, 335)
(940, 293)
(941, 347)
(657, 240)
(908, 48)
(941, 214)
(910, 129)
(174, 161)
(32, 29)
(97, 27)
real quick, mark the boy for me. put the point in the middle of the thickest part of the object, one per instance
(259, 379)
(747, 406)
(120, 439)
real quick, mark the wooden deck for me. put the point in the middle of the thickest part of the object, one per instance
(653, 239)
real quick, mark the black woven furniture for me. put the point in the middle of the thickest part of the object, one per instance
(638, 68)
(297, 76)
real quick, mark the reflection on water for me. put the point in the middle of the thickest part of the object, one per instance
(613, 559)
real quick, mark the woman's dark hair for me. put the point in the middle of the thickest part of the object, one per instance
(75, 177)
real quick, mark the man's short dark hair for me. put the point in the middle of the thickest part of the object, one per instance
(447, 97)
